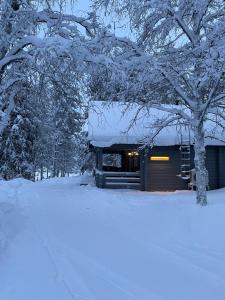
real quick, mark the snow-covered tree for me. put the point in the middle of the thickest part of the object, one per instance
(67, 119)
(60, 112)
(18, 137)
(178, 57)
(27, 26)
(30, 30)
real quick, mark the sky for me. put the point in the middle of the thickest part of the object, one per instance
(81, 6)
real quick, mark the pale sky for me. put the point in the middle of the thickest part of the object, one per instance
(81, 6)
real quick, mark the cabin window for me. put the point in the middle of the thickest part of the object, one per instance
(111, 161)
(159, 158)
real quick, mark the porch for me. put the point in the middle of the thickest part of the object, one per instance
(118, 168)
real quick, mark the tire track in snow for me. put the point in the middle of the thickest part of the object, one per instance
(58, 275)
(186, 260)
(75, 259)
(101, 272)
(65, 258)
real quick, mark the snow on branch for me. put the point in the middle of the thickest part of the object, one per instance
(158, 126)
(55, 18)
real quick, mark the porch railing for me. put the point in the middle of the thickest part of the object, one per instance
(118, 180)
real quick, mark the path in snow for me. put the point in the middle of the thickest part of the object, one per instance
(82, 243)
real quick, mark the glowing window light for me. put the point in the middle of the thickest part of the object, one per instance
(159, 158)
(134, 153)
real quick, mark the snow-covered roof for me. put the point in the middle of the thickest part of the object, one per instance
(117, 123)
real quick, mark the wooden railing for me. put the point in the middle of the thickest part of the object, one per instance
(118, 180)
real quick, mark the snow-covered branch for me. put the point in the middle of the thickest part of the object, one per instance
(157, 126)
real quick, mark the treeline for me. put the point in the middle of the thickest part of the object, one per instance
(44, 136)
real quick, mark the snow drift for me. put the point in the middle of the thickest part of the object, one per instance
(80, 242)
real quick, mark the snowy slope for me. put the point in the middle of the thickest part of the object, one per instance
(80, 242)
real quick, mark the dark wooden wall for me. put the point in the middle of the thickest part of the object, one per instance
(163, 175)
(221, 164)
(215, 165)
(212, 166)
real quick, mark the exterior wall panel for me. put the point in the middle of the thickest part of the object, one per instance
(163, 175)
(212, 156)
(221, 167)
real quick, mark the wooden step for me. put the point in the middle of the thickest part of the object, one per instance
(122, 179)
(122, 185)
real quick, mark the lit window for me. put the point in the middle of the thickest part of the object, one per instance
(159, 158)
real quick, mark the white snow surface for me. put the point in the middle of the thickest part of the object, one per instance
(118, 123)
(64, 241)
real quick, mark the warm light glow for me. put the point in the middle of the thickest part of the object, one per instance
(160, 158)
(134, 153)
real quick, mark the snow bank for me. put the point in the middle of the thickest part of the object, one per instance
(6, 211)
(80, 242)
(110, 124)
(11, 218)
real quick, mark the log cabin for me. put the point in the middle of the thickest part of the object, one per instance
(128, 154)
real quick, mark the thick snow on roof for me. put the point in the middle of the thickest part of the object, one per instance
(117, 123)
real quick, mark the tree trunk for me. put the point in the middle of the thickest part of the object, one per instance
(41, 172)
(54, 161)
(201, 172)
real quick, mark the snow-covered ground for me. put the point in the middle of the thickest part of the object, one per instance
(63, 241)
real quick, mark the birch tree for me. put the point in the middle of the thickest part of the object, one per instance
(178, 57)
